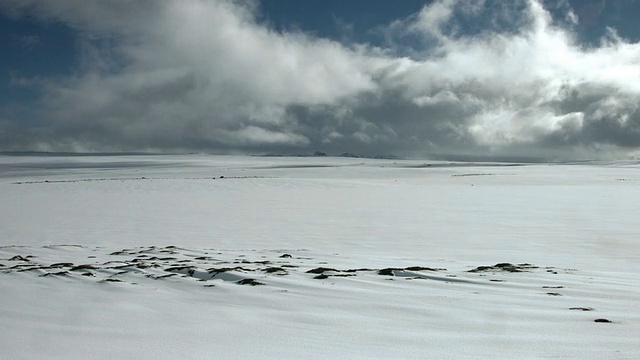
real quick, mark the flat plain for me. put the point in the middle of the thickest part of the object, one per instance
(201, 257)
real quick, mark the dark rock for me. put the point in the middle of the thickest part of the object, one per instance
(60, 273)
(22, 266)
(59, 265)
(321, 270)
(387, 272)
(481, 269)
(225, 269)
(582, 308)
(321, 277)
(179, 269)
(275, 270)
(356, 270)
(420, 268)
(84, 267)
(23, 269)
(603, 321)
(121, 252)
(156, 277)
(18, 258)
(251, 282)
(508, 267)
(286, 256)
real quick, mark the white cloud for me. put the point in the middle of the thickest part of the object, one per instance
(206, 75)
(253, 135)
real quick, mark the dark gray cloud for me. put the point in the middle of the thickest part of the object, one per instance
(206, 76)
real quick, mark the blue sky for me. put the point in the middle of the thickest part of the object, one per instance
(538, 79)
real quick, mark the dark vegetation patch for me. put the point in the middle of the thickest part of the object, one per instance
(251, 282)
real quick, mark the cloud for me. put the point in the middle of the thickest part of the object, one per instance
(209, 76)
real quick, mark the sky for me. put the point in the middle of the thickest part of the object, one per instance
(481, 79)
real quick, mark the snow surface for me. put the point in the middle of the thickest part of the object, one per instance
(167, 243)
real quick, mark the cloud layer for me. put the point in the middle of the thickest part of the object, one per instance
(208, 76)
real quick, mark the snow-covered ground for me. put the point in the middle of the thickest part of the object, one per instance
(224, 257)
